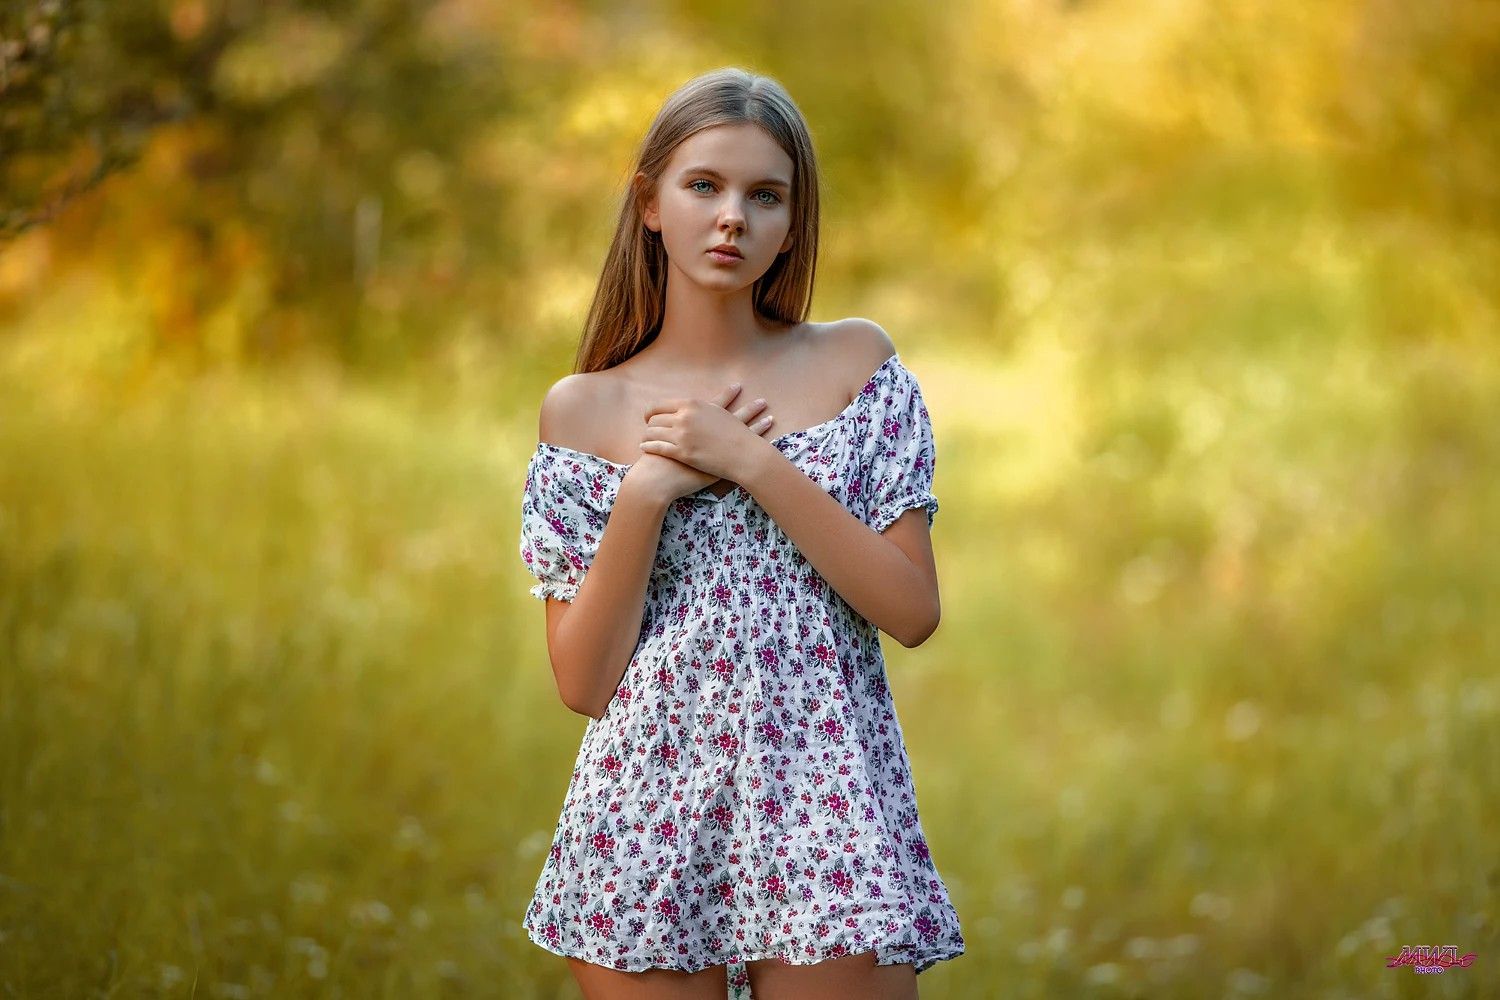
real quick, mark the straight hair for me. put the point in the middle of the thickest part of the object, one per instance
(630, 299)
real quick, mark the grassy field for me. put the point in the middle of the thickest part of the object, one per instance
(1202, 300)
(1213, 709)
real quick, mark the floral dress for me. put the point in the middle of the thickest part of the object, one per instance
(746, 793)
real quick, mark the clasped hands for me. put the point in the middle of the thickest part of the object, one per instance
(690, 444)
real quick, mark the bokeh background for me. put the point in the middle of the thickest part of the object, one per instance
(1203, 298)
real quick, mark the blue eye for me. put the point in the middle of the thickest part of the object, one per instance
(775, 199)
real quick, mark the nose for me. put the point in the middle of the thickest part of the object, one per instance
(731, 218)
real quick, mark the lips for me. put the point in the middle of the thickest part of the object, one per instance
(727, 251)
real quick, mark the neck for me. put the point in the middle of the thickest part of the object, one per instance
(706, 330)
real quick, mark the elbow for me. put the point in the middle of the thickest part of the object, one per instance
(582, 702)
(921, 629)
(587, 703)
(575, 698)
(582, 705)
(587, 709)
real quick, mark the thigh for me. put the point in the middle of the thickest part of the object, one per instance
(599, 982)
(848, 977)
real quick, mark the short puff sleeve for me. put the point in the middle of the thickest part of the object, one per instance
(899, 456)
(562, 523)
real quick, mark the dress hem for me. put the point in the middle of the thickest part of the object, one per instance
(921, 963)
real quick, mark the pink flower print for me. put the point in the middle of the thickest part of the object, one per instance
(721, 816)
(667, 907)
(836, 804)
(773, 887)
(600, 922)
(668, 754)
(602, 844)
(611, 765)
(768, 586)
(769, 658)
(552, 932)
(823, 653)
(722, 595)
(722, 668)
(919, 848)
(840, 881)
(724, 890)
(724, 743)
(771, 733)
(771, 809)
(831, 729)
(926, 927)
(663, 832)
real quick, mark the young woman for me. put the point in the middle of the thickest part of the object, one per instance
(741, 812)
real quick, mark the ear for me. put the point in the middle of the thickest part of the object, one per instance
(645, 197)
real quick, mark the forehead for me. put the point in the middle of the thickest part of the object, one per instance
(733, 150)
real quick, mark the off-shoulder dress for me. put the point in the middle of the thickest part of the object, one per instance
(746, 793)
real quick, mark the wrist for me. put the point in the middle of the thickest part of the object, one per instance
(647, 499)
(758, 463)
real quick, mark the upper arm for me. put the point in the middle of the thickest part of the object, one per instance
(561, 421)
(557, 608)
(910, 532)
(913, 537)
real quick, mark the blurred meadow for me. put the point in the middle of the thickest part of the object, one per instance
(1203, 298)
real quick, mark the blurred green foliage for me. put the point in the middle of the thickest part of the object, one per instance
(1203, 300)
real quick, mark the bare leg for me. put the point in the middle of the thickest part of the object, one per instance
(601, 983)
(849, 977)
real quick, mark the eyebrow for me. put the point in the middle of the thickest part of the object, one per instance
(711, 172)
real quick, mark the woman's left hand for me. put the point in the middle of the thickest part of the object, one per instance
(705, 435)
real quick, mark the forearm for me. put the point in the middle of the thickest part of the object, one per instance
(598, 634)
(869, 571)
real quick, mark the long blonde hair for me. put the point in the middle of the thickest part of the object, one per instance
(629, 301)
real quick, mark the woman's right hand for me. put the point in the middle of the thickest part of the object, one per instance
(674, 479)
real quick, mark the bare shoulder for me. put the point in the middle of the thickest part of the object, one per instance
(569, 407)
(859, 345)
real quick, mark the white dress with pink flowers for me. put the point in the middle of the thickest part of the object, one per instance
(746, 793)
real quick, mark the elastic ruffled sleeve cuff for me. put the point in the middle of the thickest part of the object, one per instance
(901, 455)
(888, 512)
(560, 591)
(559, 530)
